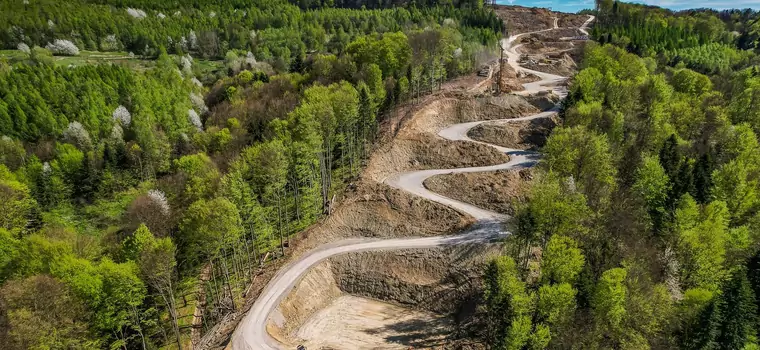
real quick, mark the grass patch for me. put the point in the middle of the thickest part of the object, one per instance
(116, 57)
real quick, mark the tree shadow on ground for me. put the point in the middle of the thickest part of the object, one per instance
(420, 332)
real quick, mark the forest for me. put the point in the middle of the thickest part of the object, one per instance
(127, 190)
(646, 208)
(704, 40)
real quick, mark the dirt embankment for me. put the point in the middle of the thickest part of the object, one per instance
(552, 52)
(529, 134)
(497, 191)
(408, 141)
(513, 81)
(524, 19)
(528, 19)
(380, 211)
(572, 20)
(417, 297)
(416, 145)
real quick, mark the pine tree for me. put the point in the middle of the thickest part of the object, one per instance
(670, 157)
(753, 276)
(703, 178)
(703, 334)
(738, 312)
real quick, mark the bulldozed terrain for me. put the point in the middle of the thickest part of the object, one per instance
(418, 298)
(527, 135)
(497, 191)
(424, 297)
(529, 19)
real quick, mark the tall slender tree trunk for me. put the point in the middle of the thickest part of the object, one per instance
(139, 327)
(279, 224)
(171, 306)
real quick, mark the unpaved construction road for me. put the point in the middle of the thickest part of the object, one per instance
(251, 333)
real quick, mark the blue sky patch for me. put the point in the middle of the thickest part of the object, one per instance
(577, 5)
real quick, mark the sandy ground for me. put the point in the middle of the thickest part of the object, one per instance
(351, 322)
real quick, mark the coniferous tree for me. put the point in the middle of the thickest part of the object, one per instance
(703, 178)
(738, 312)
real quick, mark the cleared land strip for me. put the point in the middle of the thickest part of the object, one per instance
(252, 332)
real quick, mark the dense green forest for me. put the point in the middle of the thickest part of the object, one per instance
(646, 211)
(703, 40)
(123, 186)
(271, 29)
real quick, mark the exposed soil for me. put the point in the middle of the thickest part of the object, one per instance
(547, 52)
(497, 191)
(351, 322)
(524, 19)
(416, 145)
(410, 298)
(530, 134)
(537, 47)
(552, 35)
(543, 100)
(378, 210)
(573, 20)
(513, 81)
(393, 297)
(564, 65)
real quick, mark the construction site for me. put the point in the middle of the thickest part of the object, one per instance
(398, 264)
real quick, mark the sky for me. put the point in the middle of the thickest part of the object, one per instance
(577, 5)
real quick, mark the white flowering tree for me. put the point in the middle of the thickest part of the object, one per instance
(192, 40)
(110, 43)
(121, 114)
(63, 47)
(183, 43)
(250, 60)
(78, 135)
(159, 198)
(136, 13)
(187, 64)
(198, 102)
(117, 134)
(195, 119)
(24, 48)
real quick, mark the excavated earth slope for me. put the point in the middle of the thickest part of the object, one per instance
(529, 134)
(497, 191)
(416, 297)
(364, 292)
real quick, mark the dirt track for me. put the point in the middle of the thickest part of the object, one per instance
(253, 332)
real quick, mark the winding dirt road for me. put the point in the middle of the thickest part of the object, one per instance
(251, 333)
